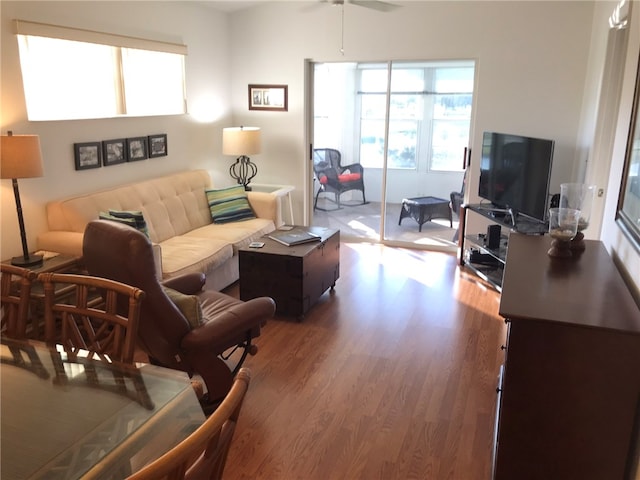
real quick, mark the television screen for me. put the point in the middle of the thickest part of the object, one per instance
(515, 173)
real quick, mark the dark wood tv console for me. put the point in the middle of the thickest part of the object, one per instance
(569, 391)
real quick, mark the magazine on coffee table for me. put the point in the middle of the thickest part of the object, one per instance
(295, 236)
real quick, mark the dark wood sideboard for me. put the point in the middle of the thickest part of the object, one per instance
(569, 389)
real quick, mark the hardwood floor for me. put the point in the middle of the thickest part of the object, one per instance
(392, 376)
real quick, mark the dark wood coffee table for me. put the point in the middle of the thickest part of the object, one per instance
(424, 209)
(295, 277)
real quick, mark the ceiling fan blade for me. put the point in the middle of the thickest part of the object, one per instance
(315, 5)
(375, 5)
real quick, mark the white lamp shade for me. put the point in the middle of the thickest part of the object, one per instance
(20, 156)
(240, 141)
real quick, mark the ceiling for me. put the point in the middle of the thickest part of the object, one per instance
(230, 5)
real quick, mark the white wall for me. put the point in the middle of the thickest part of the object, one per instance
(194, 140)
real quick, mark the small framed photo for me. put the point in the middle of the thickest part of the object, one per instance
(268, 97)
(114, 151)
(137, 149)
(88, 155)
(158, 145)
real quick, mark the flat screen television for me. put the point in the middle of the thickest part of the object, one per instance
(515, 172)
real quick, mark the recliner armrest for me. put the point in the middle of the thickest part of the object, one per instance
(188, 283)
(221, 331)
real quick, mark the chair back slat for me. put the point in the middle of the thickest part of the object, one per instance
(15, 295)
(203, 454)
(98, 315)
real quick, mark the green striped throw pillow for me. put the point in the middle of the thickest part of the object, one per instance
(133, 218)
(229, 204)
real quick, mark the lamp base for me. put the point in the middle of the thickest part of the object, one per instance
(560, 249)
(28, 261)
(242, 171)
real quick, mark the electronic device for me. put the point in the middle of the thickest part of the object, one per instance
(492, 240)
(256, 245)
(476, 256)
(515, 172)
(295, 236)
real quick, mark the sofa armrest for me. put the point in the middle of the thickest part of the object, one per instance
(265, 205)
(68, 243)
(157, 257)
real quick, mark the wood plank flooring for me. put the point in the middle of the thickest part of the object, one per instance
(392, 376)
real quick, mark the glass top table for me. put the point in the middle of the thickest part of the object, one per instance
(76, 418)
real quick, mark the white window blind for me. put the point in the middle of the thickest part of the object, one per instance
(75, 74)
(23, 27)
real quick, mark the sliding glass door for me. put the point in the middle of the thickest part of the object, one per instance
(407, 125)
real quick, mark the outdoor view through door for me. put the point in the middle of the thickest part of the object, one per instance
(402, 128)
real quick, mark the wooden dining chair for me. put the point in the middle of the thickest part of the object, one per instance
(15, 294)
(203, 454)
(96, 315)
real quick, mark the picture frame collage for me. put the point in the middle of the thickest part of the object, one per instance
(88, 155)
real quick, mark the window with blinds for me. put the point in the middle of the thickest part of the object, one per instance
(80, 74)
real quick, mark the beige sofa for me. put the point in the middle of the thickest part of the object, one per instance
(179, 222)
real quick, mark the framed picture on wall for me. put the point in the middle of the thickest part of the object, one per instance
(87, 155)
(268, 97)
(136, 149)
(114, 151)
(158, 145)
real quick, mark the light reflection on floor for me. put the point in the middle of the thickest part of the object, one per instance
(363, 222)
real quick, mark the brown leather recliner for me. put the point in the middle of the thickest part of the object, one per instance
(120, 252)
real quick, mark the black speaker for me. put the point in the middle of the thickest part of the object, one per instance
(493, 236)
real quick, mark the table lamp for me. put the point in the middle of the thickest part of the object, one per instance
(242, 141)
(21, 157)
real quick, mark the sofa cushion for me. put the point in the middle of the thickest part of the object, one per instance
(229, 204)
(186, 254)
(238, 234)
(189, 305)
